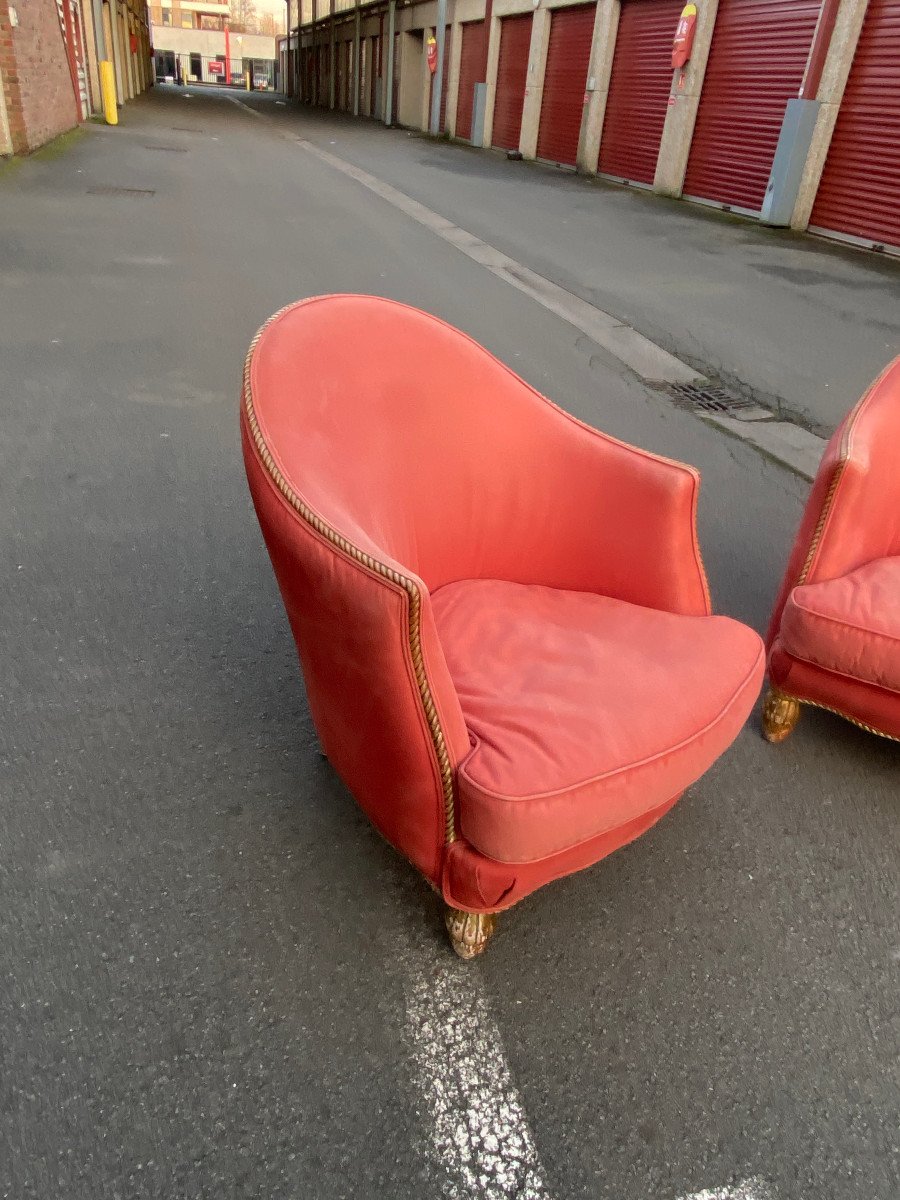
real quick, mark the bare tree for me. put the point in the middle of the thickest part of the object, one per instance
(243, 15)
(265, 24)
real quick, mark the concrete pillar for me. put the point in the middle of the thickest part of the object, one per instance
(491, 78)
(437, 87)
(127, 66)
(453, 77)
(835, 73)
(603, 47)
(111, 26)
(684, 101)
(387, 74)
(332, 81)
(89, 47)
(534, 84)
(356, 49)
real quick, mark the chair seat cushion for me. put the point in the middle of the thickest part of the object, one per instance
(849, 625)
(584, 712)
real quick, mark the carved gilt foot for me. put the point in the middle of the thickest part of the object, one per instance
(469, 932)
(780, 714)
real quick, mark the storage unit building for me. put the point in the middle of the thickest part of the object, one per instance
(565, 80)
(639, 88)
(512, 75)
(756, 64)
(859, 195)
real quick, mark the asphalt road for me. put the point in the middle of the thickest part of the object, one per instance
(216, 980)
(798, 322)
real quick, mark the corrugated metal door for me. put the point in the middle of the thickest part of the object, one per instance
(340, 75)
(471, 64)
(860, 190)
(512, 75)
(756, 64)
(448, 41)
(376, 73)
(638, 89)
(565, 78)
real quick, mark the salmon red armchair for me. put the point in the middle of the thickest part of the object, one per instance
(501, 614)
(834, 636)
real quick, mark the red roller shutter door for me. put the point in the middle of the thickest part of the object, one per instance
(756, 64)
(639, 88)
(860, 190)
(376, 72)
(471, 66)
(445, 74)
(512, 75)
(565, 78)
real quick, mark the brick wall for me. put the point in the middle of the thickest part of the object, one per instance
(37, 85)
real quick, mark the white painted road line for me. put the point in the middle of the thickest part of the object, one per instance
(246, 107)
(747, 1189)
(478, 1128)
(644, 357)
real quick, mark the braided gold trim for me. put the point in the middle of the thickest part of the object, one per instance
(839, 469)
(823, 517)
(373, 564)
(846, 716)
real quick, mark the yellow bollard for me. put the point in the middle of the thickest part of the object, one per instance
(247, 79)
(108, 92)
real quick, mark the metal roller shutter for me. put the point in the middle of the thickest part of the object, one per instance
(756, 64)
(471, 65)
(512, 75)
(375, 74)
(859, 194)
(565, 78)
(445, 74)
(639, 88)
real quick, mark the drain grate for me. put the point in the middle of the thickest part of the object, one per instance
(709, 398)
(169, 149)
(121, 191)
(185, 129)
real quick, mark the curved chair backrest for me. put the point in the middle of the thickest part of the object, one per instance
(853, 512)
(421, 447)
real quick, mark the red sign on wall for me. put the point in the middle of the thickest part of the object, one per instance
(431, 53)
(684, 36)
(216, 67)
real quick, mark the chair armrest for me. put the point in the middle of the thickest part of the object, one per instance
(590, 513)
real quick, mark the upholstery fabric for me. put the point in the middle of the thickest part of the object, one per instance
(584, 712)
(850, 625)
(390, 458)
(834, 630)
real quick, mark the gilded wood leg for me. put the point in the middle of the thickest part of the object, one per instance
(780, 714)
(469, 932)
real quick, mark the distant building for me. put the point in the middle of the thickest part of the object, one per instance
(193, 44)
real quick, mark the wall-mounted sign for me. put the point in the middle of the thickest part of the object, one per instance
(684, 36)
